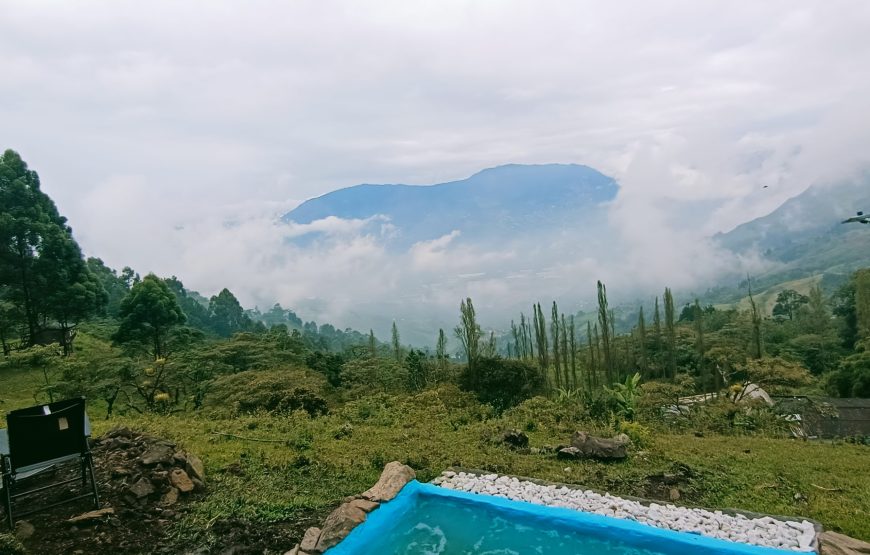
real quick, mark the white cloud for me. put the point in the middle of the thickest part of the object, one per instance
(155, 125)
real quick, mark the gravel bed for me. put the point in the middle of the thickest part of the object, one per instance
(765, 531)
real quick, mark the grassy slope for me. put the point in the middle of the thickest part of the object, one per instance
(765, 300)
(310, 470)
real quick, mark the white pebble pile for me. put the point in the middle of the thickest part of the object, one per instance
(764, 531)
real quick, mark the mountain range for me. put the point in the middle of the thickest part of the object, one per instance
(804, 236)
(490, 206)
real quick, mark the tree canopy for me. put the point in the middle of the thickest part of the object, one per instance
(148, 314)
(42, 271)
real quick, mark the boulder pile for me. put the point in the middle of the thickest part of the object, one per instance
(147, 470)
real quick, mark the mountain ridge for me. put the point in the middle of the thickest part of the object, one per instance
(485, 206)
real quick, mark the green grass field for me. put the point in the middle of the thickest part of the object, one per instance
(306, 466)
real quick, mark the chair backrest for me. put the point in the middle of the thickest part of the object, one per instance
(46, 432)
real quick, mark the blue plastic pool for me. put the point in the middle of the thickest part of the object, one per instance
(428, 520)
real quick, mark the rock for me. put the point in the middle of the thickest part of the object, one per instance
(197, 484)
(392, 480)
(674, 494)
(294, 551)
(832, 543)
(569, 453)
(515, 439)
(23, 530)
(195, 469)
(169, 498)
(142, 488)
(179, 479)
(120, 432)
(338, 525)
(157, 454)
(309, 540)
(364, 504)
(91, 516)
(120, 471)
(600, 448)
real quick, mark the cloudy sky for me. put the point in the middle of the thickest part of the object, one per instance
(172, 133)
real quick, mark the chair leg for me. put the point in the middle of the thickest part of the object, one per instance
(93, 481)
(7, 498)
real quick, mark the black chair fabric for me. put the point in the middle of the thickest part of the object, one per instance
(36, 437)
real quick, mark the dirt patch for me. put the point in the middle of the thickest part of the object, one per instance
(146, 484)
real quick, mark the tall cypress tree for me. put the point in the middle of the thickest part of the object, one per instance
(591, 368)
(441, 350)
(641, 339)
(554, 331)
(397, 347)
(567, 356)
(757, 342)
(605, 330)
(700, 349)
(670, 335)
(469, 333)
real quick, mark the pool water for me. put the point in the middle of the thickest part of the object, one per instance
(428, 520)
(439, 526)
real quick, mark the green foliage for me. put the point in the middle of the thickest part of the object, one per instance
(226, 314)
(468, 332)
(327, 364)
(852, 379)
(502, 383)
(42, 271)
(148, 315)
(362, 374)
(626, 395)
(640, 436)
(788, 302)
(275, 392)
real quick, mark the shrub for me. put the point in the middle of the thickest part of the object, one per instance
(282, 401)
(640, 435)
(500, 382)
(278, 391)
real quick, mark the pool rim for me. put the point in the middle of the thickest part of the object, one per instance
(382, 519)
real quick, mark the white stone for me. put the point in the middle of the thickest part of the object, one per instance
(764, 531)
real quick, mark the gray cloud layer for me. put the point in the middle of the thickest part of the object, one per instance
(172, 133)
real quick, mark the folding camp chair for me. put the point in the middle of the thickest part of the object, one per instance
(40, 438)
